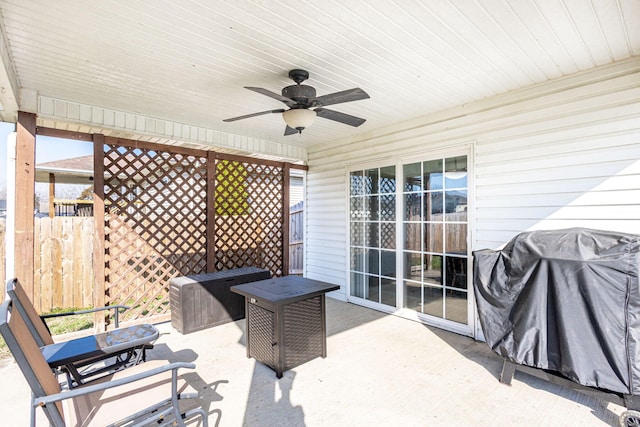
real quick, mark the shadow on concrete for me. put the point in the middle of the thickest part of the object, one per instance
(480, 353)
(270, 397)
(207, 393)
(340, 320)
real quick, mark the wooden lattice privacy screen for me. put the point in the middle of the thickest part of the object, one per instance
(172, 212)
(248, 216)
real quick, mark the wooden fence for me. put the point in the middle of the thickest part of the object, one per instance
(63, 262)
(296, 237)
(63, 259)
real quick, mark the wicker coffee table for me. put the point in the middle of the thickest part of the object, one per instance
(286, 324)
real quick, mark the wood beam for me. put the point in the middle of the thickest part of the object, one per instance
(211, 212)
(25, 200)
(286, 220)
(65, 134)
(241, 159)
(98, 240)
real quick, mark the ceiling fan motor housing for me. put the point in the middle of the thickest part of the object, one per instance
(300, 93)
(298, 75)
(301, 98)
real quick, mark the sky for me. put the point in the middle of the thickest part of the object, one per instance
(47, 149)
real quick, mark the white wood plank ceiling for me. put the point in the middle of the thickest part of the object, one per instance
(187, 61)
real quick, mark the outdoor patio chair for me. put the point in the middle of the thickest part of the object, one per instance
(150, 393)
(87, 358)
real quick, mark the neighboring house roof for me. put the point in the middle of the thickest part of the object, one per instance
(74, 163)
(74, 170)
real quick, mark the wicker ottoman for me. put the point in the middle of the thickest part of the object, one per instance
(205, 300)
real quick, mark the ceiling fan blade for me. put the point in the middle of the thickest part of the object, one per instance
(233, 119)
(290, 131)
(273, 95)
(339, 117)
(340, 97)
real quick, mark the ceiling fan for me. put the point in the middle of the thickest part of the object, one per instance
(304, 105)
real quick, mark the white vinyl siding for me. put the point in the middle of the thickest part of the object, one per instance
(121, 124)
(560, 154)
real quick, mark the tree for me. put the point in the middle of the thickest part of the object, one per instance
(87, 193)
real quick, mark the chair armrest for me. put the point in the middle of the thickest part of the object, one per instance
(81, 391)
(90, 310)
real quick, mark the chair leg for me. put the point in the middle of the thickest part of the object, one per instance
(32, 412)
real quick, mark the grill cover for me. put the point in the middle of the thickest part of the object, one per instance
(566, 301)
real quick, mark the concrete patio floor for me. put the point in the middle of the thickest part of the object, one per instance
(381, 370)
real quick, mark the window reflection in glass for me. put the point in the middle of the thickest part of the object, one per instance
(456, 238)
(456, 164)
(388, 263)
(412, 211)
(357, 259)
(412, 236)
(433, 269)
(456, 202)
(455, 180)
(433, 237)
(372, 258)
(371, 208)
(432, 174)
(388, 207)
(357, 234)
(433, 205)
(356, 183)
(412, 266)
(388, 179)
(456, 272)
(412, 295)
(373, 283)
(432, 301)
(357, 285)
(412, 177)
(371, 181)
(388, 235)
(356, 213)
(456, 305)
(372, 234)
(388, 291)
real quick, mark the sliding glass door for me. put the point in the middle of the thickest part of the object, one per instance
(373, 235)
(408, 237)
(435, 238)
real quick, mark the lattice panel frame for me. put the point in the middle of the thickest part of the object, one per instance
(249, 206)
(160, 224)
(155, 225)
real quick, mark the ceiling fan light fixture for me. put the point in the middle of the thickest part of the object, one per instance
(299, 118)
